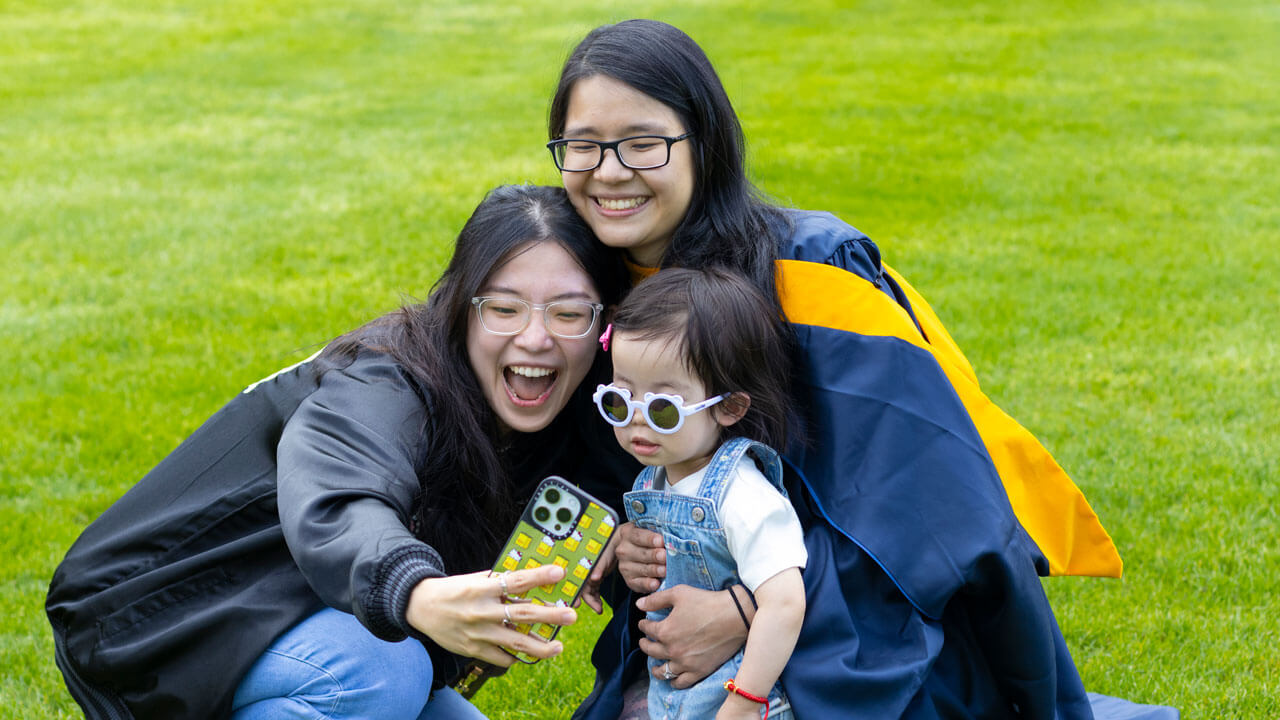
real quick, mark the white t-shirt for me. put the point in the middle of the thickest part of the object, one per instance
(760, 525)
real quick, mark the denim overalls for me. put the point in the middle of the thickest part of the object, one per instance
(698, 555)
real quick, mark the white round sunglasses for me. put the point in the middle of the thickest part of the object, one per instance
(663, 412)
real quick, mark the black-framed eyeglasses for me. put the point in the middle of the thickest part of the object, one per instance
(567, 319)
(640, 152)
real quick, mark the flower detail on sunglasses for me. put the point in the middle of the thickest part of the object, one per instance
(663, 412)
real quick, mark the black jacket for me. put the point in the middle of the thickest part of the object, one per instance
(297, 494)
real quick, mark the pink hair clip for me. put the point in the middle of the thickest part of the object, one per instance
(604, 337)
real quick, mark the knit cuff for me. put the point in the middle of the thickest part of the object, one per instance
(398, 574)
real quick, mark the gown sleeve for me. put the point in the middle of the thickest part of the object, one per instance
(897, 476)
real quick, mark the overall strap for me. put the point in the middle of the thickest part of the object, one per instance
(644, 481)
(720, 470)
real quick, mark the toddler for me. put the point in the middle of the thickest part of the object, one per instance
(699, 394)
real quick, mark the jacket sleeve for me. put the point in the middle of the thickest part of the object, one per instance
(347, 483)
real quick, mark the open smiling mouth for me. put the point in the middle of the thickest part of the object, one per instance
(528, 386)
(622, 204)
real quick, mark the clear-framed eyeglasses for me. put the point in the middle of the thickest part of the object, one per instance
(567, 319)
(664, 413)
(640, 152)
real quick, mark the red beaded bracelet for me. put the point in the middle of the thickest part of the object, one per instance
(732, 687)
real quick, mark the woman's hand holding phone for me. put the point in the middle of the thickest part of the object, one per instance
(467, 615)
(591, 590)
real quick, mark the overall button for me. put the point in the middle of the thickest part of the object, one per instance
(698, 514)
(637, 506)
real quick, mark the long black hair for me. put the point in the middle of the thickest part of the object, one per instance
(728, 222)
(730, 337)
(464, 474)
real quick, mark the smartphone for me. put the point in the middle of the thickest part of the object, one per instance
(562, 525)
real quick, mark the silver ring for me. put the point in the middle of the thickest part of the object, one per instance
(506, 613)
(502, 582)
(666, 672)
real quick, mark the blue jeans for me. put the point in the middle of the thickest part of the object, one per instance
(330, 667)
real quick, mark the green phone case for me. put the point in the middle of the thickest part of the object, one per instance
(572, 540)
(561, 525)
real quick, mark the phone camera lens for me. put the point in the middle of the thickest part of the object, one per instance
(552, 495)
(541, 514)
(563, 515)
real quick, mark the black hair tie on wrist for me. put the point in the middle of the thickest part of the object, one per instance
(742, 613)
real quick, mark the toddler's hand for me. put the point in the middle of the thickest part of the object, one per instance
(739, 708)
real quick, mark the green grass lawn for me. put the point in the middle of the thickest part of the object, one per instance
(195, 194)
